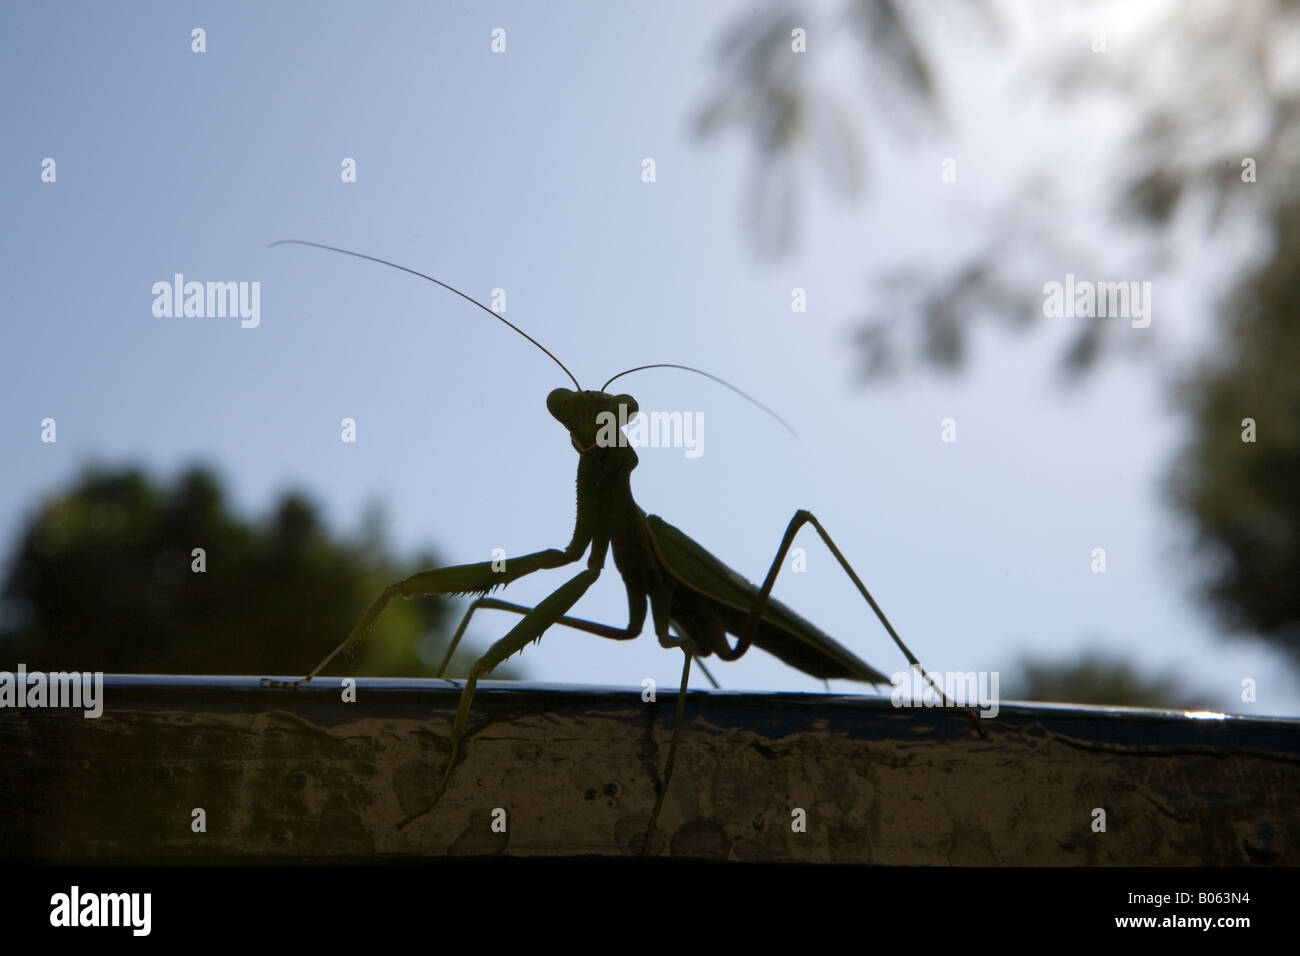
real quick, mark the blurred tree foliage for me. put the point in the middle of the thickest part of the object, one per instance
(1207, 84)
(1244, 496)
(1098, 679)
(101, 579)
(1210, 87)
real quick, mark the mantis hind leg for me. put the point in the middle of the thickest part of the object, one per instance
(751, 623)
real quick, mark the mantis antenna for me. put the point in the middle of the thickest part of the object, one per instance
(385, 262)
(724, 382)
(501, 318)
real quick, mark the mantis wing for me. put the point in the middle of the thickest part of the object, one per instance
(721, 598)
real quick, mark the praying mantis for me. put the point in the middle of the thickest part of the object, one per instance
(693, 599)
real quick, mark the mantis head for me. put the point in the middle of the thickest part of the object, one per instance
(586, 414)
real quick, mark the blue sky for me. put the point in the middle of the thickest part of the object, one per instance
(522, 171)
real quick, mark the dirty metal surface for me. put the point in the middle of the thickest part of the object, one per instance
(303, 777)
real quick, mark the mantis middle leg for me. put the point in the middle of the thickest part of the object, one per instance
(461, 579)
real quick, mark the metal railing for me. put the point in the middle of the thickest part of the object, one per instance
(220, 770)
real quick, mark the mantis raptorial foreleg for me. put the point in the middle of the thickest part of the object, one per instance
(535, 622)
(578, 624)
(461, 579)
(751, 623)
(636, 620)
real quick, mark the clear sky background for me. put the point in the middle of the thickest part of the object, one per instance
(522, 171)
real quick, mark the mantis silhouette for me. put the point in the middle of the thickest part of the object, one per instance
(694, 600)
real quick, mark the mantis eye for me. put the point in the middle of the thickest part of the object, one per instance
(558, 401)
(630, 402)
